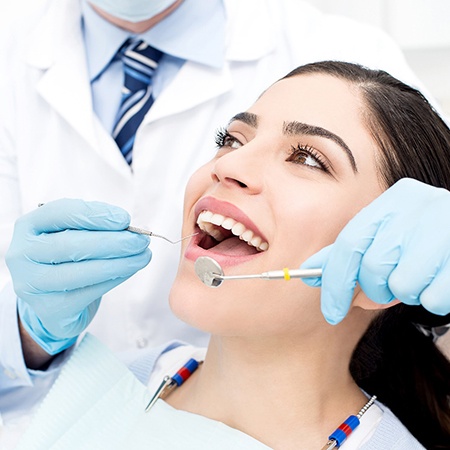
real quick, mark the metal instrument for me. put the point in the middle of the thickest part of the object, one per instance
(211, 274)
(150, 233)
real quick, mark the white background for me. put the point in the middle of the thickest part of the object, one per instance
(420, 27)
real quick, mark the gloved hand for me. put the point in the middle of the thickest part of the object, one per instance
(63, 257)
(398, 247)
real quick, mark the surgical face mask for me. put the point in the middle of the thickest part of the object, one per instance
(132, 10)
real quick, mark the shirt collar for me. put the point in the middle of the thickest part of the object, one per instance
(201, 23)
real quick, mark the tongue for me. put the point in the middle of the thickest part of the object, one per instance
(234, 246)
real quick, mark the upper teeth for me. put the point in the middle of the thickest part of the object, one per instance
(207, 219)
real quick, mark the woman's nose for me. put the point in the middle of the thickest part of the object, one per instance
(239, 169)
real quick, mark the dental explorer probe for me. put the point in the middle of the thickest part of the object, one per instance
(211, 274)
(147, 233)
(150, 233)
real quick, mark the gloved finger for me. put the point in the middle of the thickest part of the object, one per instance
(377, 264)
(434, 297)
(73, 214)
(318, 260)
(421, 261)
(342, 269)
(69, 276)
(79, 245)
(336, 297)
(408, 280)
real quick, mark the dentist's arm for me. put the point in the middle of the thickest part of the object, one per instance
(63, 257)
(34, 356)
(398, 247)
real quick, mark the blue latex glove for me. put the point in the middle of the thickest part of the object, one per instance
(398, 247)
(63, 257)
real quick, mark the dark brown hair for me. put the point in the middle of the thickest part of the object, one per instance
(395, 359)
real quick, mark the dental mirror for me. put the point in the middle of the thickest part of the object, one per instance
(211, 274)
(208, 270)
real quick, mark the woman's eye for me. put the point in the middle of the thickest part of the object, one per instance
(225, 139)
(307, 156)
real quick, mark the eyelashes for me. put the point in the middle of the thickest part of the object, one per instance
(308, 156)
(224, 139)
(301, 154)
(219, 136)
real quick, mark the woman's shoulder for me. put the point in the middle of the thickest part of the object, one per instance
(391, 434)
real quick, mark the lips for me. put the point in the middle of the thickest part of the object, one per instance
(226, 233)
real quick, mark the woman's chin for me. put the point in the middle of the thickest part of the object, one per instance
(189, 300)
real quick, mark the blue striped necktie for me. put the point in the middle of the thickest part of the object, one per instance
(139, 64)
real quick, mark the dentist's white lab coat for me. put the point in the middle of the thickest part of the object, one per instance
(53, 146)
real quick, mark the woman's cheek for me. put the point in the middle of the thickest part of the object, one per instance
(324, 224)
(197, 185)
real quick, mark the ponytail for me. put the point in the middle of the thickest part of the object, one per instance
(404, 368)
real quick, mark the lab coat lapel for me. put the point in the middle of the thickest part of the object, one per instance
(194, 84)
(59, 53)
(247, 40)
(64, 87)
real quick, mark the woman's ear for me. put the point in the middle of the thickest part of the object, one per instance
(361, 300)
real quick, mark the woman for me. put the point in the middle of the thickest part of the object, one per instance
(316, 147)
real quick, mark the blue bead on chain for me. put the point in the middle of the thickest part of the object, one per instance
(343, 431)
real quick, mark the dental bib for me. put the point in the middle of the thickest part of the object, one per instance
(97, 403)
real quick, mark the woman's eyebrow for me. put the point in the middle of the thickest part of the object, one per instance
(246, 117)
(294, 128)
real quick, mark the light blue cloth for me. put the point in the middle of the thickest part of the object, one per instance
(195, 31)
(97, 403)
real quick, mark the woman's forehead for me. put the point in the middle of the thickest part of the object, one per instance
(316, 99)
(312, 91)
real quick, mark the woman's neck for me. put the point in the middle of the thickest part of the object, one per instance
(283, 393)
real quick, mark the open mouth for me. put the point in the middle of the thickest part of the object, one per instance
(228, 236)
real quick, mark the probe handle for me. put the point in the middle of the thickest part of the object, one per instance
(287, 274)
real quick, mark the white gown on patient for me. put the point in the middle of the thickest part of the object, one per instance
(104, 408)
(97, 403)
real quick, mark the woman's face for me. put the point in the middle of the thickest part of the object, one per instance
(288, 175)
